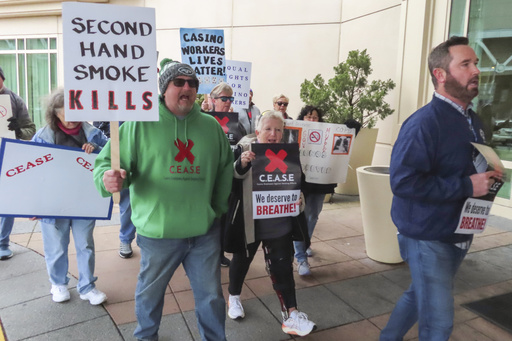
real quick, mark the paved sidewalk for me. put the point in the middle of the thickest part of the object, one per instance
(349, 296)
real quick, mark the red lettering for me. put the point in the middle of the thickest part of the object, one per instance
(37, 162)
(84, 163)
(265, 210)
(129, 102)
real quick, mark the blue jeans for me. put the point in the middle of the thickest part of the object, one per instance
(6, 224)
(314, 205)
(127, 231)
(429, 299)
(56, 233)
(200, 257)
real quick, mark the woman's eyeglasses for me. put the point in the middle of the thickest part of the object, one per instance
(179, 82)
(226, 98)
(282, 103)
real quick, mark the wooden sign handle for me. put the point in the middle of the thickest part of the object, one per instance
(115, 163)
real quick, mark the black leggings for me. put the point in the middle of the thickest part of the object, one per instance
(280, 257)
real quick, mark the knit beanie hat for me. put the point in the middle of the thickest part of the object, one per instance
(170, 69)
(2, 73)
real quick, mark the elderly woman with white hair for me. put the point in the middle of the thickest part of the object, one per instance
(245, 235)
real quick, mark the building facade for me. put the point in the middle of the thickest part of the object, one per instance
(289, 41)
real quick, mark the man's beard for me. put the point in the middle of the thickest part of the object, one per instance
(459, 91)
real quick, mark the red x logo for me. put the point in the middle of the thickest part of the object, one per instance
(276, 161)
(184, 151)
(223, 123)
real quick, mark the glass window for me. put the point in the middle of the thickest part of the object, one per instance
(7, 44)
(490, 34)
(30, 67)
(458, 13)
(37, 44)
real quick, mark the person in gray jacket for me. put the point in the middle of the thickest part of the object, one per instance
(23, 127)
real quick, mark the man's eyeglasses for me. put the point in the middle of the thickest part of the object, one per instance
(180, 82)
(282, 103)
(226, 98)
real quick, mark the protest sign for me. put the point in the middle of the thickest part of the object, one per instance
(276, 179)
(204, 51)
(5, 114)
(49, 181)
(325, 149)
(229, 123)
(110, 71)
(238, 76)
(476, 211)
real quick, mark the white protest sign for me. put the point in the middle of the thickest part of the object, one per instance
(476, 211)
(49, 181)
(204, 51)
(238, 76)
(325, 149)
(5, 113)
(110, 57)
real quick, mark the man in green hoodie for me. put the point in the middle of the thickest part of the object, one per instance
(179, 172)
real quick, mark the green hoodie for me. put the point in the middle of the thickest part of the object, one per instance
(175, 191)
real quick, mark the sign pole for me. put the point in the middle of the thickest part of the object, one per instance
(114, 154)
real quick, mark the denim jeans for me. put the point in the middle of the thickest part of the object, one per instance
(200, 257)
(429, 299)
(127, 231)
(56, 233)
(314, 205)
(6, 224)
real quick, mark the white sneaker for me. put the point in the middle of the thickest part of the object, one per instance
(303, 269)
(298, 324)
(94, 297)
(235, 310)
(309, 252)
(125, 250)
(60, 293)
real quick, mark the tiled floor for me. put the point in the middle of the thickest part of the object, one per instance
(340, 255)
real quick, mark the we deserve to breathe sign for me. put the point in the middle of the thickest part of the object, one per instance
(110, 62)
(276, 179)
(49, 181)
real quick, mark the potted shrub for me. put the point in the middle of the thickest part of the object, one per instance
(350, 96)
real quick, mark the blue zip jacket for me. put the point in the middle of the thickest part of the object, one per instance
(431, 162)
(93, 135)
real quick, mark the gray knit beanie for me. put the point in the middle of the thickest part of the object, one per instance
(170, 69)
(2, 73)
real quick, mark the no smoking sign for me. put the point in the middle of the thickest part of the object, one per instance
(315, 136)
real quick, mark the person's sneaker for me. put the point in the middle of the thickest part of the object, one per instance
(298, 324)
(125, 250)
(309, 252)
(60, 293)
(94, 297)
(235, 308)
(5, 253)
(303, 269)
(224, 261)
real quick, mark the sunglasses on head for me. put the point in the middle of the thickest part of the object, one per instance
(179, 82)
(282, 103)
(226, 98)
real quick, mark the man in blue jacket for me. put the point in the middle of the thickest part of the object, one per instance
(434, 169)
